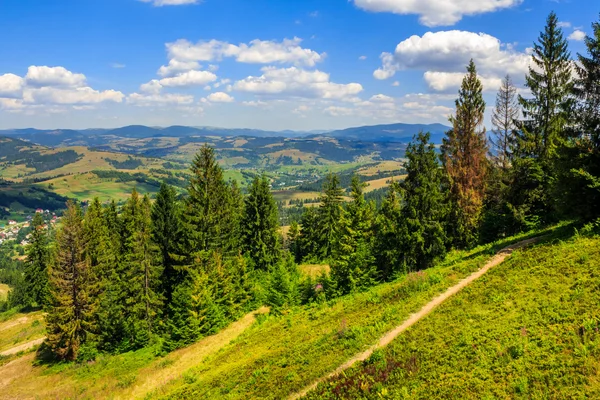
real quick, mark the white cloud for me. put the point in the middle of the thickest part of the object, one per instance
(255, 103)
(117, 65)
(381, 98)
(219, 97)
(190, 78)
(146, 100)
(577, 35)
(11, 86)
(450, 52)
(362, 58)
(396, 84)
(295, 82)
(436, 12)
(175, 66)
(160, 3)
(80, 95)
(443, 81)
(153, 86)
(564, 24)
(53, 76)
(257, 51)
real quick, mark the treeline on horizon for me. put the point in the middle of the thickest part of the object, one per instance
(170, 272)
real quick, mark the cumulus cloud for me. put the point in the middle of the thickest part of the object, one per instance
(257, 51)
(11, 86)
(81, 95)
(577, 35)
(147, 100)
(443, 81)
(190, 78)
(53, 76)
(160, 3)
(175, 67)
(436, 12)
(219, 97)
(444, 53)
(296, 82)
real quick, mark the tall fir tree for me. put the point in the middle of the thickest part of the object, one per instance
(70, 318)
(464, 155)
(329, 214)
(165, 234)
(353, 263)
(504, 119)
(580, 180)
(388, 235)
(309, 242)
(424, 209)
(141, 271)
(293, 241)
(542, 132)
(260, 225)
(37, 264)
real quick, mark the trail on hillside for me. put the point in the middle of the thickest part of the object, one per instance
(414, 318)
(22, 347)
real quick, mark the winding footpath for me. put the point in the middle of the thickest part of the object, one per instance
(423, 312)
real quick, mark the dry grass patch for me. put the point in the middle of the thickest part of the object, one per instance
(384, 166)
(4, 289)
(382, 183)
(20, 329)
(314, 270)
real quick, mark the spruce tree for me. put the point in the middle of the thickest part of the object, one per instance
(165, 234)
(141, 271)
(464, 154)
(293, 241)
(329, 214)
(542, 131)
(424, 208)
(309, 242)
(388, 235)
(36, 264)
(504, 117)
(260, 225)
(70, 318)
(581, 158)
(353, 264)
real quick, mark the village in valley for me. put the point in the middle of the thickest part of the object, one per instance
(19, 232)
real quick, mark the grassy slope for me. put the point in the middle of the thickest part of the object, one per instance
(283, 354)
(20, 328)
(528, 329)
(274, 357)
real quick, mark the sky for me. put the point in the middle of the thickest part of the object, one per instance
(263, 64)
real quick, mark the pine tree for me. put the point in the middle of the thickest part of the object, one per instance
(329, 214)
(464, 155)
(293, 241)
(353, 264)
(309, 242)
(550, 82)
(165, 234)
(36, 265)
(423, 212)
(542, 131)
(260, 226)
(70, 318)
(388, 236)
(141, 269)
(581, 158)
(503, 119)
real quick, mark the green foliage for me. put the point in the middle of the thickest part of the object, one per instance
(329, 215)
(353, 263)
(260, 225)
(70, 317)
(37, 265)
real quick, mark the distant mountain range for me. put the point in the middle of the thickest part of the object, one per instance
(378, 133)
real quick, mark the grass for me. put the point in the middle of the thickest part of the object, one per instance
(382, 183)
(3, 291)
(88, 185)
(19, 328)
(287, 195)
(384, 166)
(527, 329)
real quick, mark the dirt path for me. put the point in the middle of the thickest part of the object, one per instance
(22, 347)
(414, 318)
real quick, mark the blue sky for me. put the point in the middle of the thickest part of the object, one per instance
(270, 64)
